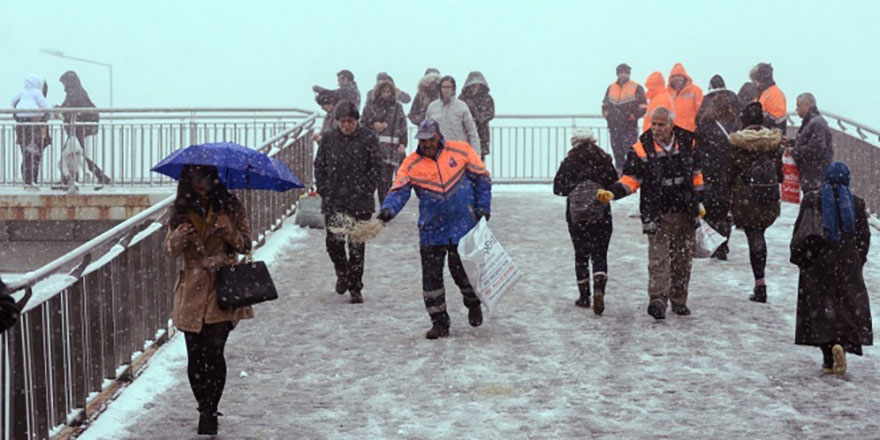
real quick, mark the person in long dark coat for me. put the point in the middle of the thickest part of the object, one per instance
(716, 119)
(748, 146)
(833, 310)
(81, 125)
(385, 116)
(586, 163)
(475, 94)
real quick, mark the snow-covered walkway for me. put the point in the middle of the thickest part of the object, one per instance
(313, 366)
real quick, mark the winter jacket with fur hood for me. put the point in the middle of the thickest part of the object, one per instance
(748, 146)
(429, 90)
(391, 113)
(475, 94)
(31, 98)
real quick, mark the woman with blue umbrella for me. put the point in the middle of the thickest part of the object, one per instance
(209, 227)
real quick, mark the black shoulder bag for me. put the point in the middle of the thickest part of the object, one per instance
(245, 283)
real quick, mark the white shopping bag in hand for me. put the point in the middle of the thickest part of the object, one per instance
(707, 240)
(489, 268)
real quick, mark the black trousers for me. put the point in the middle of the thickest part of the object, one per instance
(386, 179)
(206, 366)
(433, 260)
(349, 266)
(757, 251)
(622, 139)
(32, 142)
(590, 244)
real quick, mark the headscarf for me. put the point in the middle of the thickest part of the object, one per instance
(837, 212)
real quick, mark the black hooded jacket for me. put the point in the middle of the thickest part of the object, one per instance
(77, 97)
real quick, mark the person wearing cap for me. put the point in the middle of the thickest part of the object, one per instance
(623, 105)
(771, 98)
(347, 167)
(385, 116)
(429, 90)
(586, 167)
(348, 88)
(327, 99)
(716, 119)
(454, 191)
(686, 96)
(663, 163)
(454, 116)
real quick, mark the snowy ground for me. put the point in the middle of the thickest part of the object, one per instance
(312, 366)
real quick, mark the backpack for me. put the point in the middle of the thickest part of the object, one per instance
(761, 181)
(583, 205)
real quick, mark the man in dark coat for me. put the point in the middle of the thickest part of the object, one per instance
(82, 124)
(716, 119)
(586, 168)
(347, 168)
(8, 309)
(348, 89)
(812, 149)
(475, 94)
(623, 105)
(385, 116)
(833, 309)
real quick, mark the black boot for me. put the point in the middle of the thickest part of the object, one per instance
(475, 315)
(208, 423)
(599, 280)
(759, 294)
(584, 289)
(356, 297)
(438, 330)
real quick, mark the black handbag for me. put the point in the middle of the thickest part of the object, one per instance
(244, 284)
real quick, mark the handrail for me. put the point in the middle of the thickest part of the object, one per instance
(32, 278)
(159, 110)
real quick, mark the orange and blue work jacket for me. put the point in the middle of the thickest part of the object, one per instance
(671, 181)
(451, 188)
(773, 102)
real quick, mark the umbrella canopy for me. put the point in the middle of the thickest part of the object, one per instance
(239, 167)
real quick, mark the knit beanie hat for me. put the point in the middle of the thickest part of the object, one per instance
(582, 135)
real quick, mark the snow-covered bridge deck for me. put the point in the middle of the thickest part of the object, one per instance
(313, 366)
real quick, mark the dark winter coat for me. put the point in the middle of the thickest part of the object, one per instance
(716, 119)
(77, 98)
(832, 304)
(585, 161)
(429, 90)
(8, 309)
(347, 172)
(623, 112)
(392, 114)
(475, 94)
(348, 92)
(812, 150)
(747, 147)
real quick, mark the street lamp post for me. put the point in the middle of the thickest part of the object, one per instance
(60, 54)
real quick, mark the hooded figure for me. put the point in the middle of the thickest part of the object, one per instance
(687, 97)
(400, 95)
(833, 309)
(31, 132)
(81, 124)
(475, 94)
(429, 90)
(31, 98)
(384, 115)
(657, 96)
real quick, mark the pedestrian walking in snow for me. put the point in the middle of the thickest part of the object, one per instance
(475, 94)
(208, 227)
(623, 105)
(327, 99)
(453, 115)
(585, 169)
(833, 309)
(347, 167)
(80, 125)
(771, 98)
(716, 119)
(399, 95)
(664, 164)
(348, 89)
(31, 130)
(429, 90)
(754, 172)
(812, 150)
(454, 191)
(385, 117)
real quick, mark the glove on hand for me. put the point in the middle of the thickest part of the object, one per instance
(604, 196)
(702, 211)
(481, 213)
(385, 215)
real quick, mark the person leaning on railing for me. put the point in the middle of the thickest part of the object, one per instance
(31, 131)
(8, 309)
(83, 124)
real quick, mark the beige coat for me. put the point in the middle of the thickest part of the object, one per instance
(195, 293)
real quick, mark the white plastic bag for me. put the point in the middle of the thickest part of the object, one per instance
(489, 268)
(71, 160)
(707, 240)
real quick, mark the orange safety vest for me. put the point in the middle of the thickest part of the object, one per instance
(773, 102)
(618, 94)
(632, 184)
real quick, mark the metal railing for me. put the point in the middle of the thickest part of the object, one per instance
(73, 338)
(128, 141)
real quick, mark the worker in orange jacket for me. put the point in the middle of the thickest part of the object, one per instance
(623, 105)
(687, 97)
(657, 96)
(771, 98)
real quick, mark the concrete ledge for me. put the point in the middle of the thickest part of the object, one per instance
(63, 206)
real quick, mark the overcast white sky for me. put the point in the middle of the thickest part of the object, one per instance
(538, 57)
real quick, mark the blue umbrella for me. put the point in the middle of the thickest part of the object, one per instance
(239, 167)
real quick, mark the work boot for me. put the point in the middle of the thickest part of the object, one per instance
(656, 310)
(839, 367)
(437, 330)
(356, 297)
(341, 284)
(759, 294)
(599, 280)
(584, 289)
(475, 315)
(681, 310)
(208, 423)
